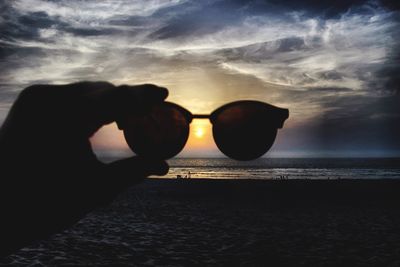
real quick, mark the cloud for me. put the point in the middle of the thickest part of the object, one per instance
(344, 47)
(92, 12)
(330, 63)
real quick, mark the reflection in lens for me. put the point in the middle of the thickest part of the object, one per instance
(244, 131)
(161, 134)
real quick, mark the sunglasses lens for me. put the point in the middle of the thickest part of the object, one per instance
(244, 131)
(161, 134)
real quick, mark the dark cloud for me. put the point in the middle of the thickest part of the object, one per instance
(388, 77)
(324, 9)
(273, 7)
(321, 8)
(91, 31)
(358, 123)
(37, 20)
(354, 124)
(28, 26)
(15, 25)
(391, 4)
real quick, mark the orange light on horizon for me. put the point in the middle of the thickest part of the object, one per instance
(200, 142)
(199, 132)
(200, 136)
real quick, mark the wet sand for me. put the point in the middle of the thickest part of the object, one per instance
(194, 222)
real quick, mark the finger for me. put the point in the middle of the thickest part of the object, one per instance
(58, 99)
(65, 92)
(144, 92)
(132, 170)
(117, 176)
(106, 106)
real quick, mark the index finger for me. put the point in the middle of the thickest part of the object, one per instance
(123, 101)
(143, 92)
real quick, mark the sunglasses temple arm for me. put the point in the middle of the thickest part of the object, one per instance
(283, 116)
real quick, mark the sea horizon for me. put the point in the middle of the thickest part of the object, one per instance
(285, 168)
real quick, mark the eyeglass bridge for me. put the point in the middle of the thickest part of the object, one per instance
(200, 116)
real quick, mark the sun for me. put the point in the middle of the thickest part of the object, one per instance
(199, 132)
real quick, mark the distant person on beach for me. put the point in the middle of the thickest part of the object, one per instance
(50, 176)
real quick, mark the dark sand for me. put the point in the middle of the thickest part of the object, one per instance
(234, 223)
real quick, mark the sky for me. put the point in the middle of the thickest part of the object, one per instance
(335, 65)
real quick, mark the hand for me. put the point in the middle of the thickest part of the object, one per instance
(50, 177)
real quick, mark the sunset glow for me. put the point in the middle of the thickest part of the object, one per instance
(199, 132)
(200, 135)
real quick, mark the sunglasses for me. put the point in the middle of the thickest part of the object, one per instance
(242, 130)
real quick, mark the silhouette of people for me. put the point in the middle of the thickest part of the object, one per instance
(50, 177)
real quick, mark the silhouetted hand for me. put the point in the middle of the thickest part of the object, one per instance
(50, 177)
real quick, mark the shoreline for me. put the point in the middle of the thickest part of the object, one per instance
(300, 189)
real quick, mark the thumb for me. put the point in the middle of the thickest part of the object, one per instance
(121, 174)
(133, 170)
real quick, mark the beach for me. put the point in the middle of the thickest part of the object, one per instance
(204, 222)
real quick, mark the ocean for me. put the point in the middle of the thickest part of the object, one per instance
(286, 168)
